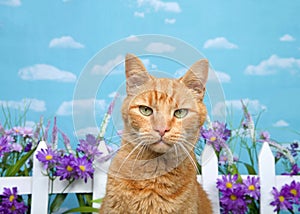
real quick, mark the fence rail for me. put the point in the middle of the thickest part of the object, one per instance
(40, 186)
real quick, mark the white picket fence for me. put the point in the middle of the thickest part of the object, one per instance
(40, 186)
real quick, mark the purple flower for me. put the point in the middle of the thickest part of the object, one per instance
(293, 148)
(217, 135)
(89, 147)
(224, 159)
(227, 182)
(84, 168)
(26, 132)
(265, 136)
(28, 147)
(21, 131)
(15, 147)
(281, 201)
(66, 167)
(293, 190)
(252, 187)
(10, 202)
(233, 201)
(4, 146)
(295, 170)
(48, 157)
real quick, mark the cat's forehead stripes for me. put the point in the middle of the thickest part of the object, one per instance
(160, 92)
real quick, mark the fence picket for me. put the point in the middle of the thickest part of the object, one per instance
(210, 175)
(266, 168)
(100, 176)
(39, 185)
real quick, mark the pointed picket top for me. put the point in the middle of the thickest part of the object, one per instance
(100, 175)
(37, 169)
(266, 167)
(40, 184)
(210, 175)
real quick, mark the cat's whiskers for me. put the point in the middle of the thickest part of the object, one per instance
(139, 144)
(127, 157)
(176, 153)
(136, 158)
(189, 156)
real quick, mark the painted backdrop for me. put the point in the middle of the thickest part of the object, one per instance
(254, 47)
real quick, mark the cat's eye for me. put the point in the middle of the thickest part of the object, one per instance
(145, 110)
(180, 113)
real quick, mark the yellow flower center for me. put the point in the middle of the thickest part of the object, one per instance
(13, 208)
(49, 157)
(281, 198)
(213, 138)
(11, 198)
(233, 197)
(251, 187)
(82, 168)
(294, 192)
(69, 168)
(229, 185)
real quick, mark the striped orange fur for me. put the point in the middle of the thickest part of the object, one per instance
(154, 172)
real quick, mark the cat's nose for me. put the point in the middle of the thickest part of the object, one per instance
(162, 130)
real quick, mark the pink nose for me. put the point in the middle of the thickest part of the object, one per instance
(162, 130)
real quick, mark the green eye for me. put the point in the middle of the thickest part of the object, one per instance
(180, 113)
(145, 110)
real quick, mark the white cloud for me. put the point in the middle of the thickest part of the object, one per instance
(132, 38)
(12, 3)
(219, 43)
(273, 65)
(113, 94)
(108, 66)
(32, 104)
(254, 106)
(158, 5)
(139, 14)
(65, 42)
(281, 123)
(30, 124)
(223, 77)
(170, 21)
(46, 72)
(66, 108)
(158, 47)
(287, 38)
(180, 72)
(88, 130)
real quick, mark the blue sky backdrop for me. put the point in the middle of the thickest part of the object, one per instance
(254, 47)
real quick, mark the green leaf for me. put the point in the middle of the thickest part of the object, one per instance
(14, 169)
(97, 201)
(82, 210)
(250, 169)
(80, 199)
(57, 202)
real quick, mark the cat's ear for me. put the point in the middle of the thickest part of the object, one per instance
(196, 77)
(136, 73)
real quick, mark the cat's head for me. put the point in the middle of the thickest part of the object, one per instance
(160, 112)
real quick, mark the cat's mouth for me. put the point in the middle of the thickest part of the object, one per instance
(160, 146)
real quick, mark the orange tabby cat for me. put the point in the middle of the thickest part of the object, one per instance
(154, 171)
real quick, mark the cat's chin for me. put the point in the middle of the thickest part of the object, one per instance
(160, 147)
